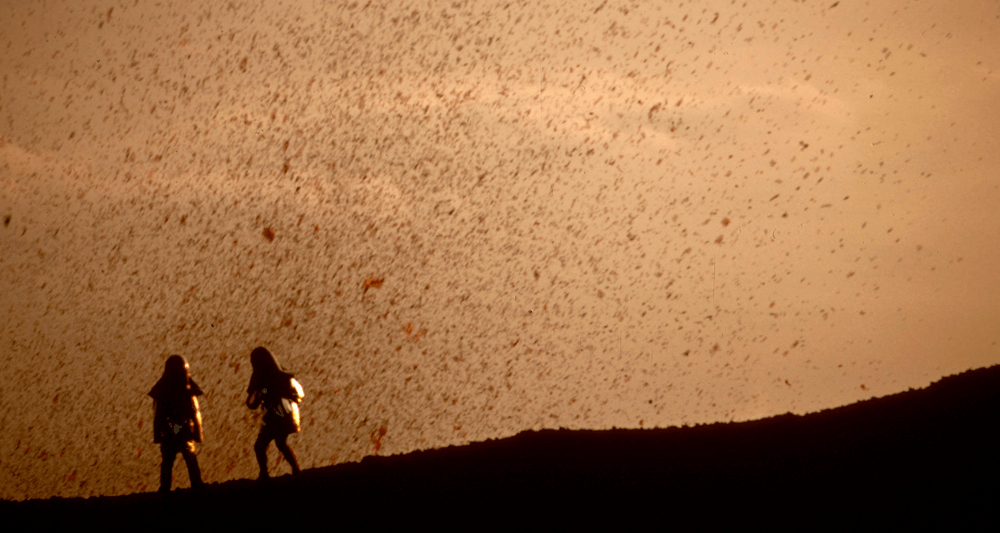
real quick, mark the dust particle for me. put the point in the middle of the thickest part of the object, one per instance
(372, 282)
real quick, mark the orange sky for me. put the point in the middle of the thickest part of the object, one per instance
(586, 215)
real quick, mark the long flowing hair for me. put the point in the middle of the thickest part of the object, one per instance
(266, 370)
(176, 380)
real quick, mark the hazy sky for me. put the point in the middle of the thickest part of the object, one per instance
(585, 214)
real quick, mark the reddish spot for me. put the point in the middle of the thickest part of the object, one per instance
(372, 282)
(377, 441)
(725, 222)
(56, 399)
(269, 234)
(72, 477)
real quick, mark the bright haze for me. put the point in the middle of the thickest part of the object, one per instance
(455, 221)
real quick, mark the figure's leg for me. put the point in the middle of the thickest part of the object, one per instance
(168, 453)
(194, 473)
(285, 450)
(260, 448)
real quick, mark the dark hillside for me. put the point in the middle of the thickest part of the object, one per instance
(916, 453)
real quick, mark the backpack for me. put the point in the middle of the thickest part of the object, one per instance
(283, 406)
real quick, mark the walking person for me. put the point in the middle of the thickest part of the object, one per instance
(177, 420)
(280, 394)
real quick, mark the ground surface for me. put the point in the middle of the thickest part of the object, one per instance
(927, 451)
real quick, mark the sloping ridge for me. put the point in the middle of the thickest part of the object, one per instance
(927, 445)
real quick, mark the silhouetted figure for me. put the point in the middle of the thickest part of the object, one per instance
(176, 420)
(280, 395)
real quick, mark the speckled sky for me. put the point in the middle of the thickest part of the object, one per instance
(460, 220)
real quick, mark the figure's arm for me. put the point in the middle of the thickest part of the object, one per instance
(253, 399)
(198, 435)
(297, 390)
(157, 423)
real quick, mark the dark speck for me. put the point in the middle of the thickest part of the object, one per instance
(6, 221)
(269, 234)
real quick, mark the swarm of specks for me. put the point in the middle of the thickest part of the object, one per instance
(458, 222)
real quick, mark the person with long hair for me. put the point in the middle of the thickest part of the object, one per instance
(177, 420)
(280, 394)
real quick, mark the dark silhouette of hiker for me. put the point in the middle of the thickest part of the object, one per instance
(176, 420)
(280, 395)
